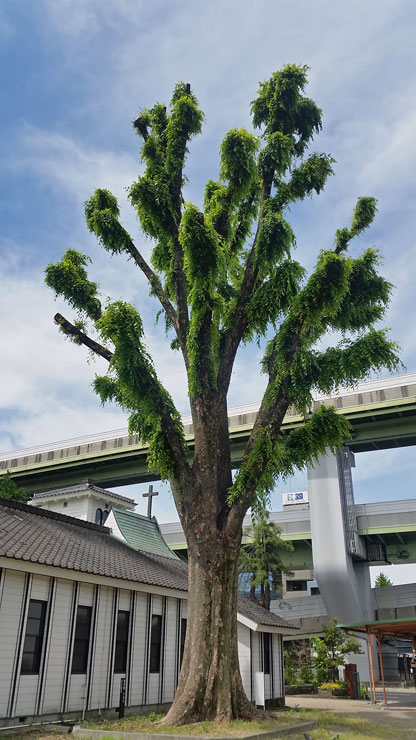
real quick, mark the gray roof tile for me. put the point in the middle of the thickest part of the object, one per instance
(40, 536)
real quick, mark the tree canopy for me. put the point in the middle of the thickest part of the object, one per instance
(224, 274)
(261, 558)
(330, 651)
(10, 489)
(382, 581)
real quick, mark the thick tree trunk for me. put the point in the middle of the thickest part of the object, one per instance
(210, 686)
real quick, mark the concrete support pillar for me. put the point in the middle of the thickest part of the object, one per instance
(343, 581)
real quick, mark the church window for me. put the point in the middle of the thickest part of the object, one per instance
(182, 639)
(104, 517)
(35, 626)
(122, 636)
(266, 652)
(99, 516)
(155, 643)
(81, 640)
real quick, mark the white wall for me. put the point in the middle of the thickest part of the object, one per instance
(244, 657)
(55, 690)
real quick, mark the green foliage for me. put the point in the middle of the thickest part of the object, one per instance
(101, 214)
(68, 278)
(363, 216)
(324, 430)
(9, 489)
(382, 581)
(290, 666)
(281, 107)
(238, 162)
(261, 557)
(306, 673)
(226, 275)
(298, 663)
(133, 383)
(330, 651)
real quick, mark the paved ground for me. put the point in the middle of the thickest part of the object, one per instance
(400, 710)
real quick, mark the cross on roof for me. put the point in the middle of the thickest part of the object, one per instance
(149, 495)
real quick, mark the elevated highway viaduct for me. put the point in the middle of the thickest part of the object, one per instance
(389, 524)
(382, 414)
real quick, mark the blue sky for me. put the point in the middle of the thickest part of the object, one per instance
(74, 75)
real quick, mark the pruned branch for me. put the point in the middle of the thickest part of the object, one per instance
(141, 127)
(155, 283)
(78, 336)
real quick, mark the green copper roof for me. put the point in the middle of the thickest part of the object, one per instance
(142, 533)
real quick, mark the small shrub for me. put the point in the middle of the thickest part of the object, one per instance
(306, 673)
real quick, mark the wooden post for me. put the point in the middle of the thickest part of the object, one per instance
(381, 667)
(370, 651)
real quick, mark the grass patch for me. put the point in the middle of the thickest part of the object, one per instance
(149, 723)
(348, 727)
(329, 725)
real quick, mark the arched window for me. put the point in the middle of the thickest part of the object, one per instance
(105, 515)
(99, 516)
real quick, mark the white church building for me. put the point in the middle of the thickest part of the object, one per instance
(82, 608)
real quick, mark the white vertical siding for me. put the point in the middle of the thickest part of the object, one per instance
(10, 612)
(277, 667)
(26, 696)
(86, 594)
(157, 605)
(153, 678)
(77, 695)
(243, 636)
(101, 656)
(138, 650)
(124, 600)
(171, 650)
(28, 685)
(255, 652)
(144, 686)
(77, 692)
(40, 588)
(58, 646)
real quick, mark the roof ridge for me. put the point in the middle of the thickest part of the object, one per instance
(128, 512)
(86, 484)
(48, 514)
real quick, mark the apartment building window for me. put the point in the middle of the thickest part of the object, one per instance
(155, 643)
(122, 638)
(35, 627)
(296, 586)
(81, 639)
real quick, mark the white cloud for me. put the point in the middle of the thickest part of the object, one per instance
(116, 56)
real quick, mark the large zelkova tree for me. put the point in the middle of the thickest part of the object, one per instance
(224, 275)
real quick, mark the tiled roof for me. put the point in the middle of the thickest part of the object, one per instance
(79, 488)
(142, 533)
(46, 537)
(259, 615)
(39, 536)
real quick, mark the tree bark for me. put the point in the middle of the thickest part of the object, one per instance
(210, 685)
